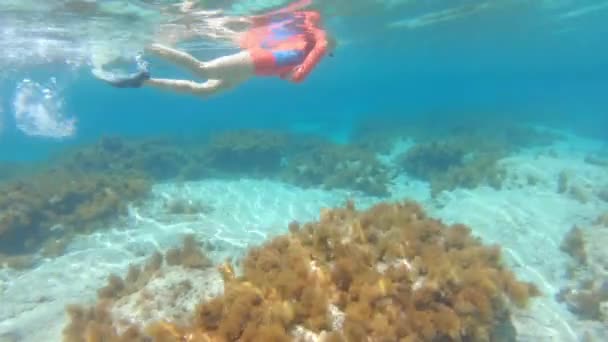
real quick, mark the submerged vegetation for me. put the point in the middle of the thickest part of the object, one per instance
(79, 190)
(586, 293)
(246, 152)
(456, 162)
(389, 273)
(158, 159)
(451, 154)
(56, 203)
(332, 166)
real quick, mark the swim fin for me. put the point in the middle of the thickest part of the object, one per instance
(134, 80)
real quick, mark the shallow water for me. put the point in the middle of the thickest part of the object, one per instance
(490, 114)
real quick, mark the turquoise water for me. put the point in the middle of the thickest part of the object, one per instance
(479, 92)
(537, 60)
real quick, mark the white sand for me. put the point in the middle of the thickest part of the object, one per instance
(529, 221)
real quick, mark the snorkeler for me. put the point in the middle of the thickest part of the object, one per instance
(284, 43)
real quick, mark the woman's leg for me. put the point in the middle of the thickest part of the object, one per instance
(210, 87)
(178, 57)
(235, 67)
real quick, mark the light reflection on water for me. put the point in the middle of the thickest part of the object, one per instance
(34, 32)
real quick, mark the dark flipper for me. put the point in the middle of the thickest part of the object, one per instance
(134, 80)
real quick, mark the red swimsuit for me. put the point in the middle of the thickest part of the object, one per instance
(286, 43)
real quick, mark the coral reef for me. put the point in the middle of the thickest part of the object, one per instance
(388, 273)
(332, 166)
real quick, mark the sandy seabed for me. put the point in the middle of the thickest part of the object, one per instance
(528, 220)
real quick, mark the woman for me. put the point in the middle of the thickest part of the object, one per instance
(287, 43)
